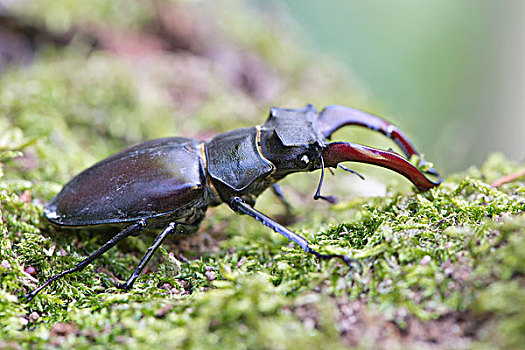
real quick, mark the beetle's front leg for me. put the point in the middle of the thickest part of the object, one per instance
(238, 205)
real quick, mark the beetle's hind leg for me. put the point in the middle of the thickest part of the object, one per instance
(134, 230)
(147, 257)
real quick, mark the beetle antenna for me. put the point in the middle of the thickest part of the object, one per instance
(351, 171)
(317, 195)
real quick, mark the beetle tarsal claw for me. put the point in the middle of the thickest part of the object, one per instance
(348, 260)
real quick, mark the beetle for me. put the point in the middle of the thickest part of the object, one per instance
(169, 183)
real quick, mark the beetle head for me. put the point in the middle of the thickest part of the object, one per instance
(294, 140)
(290, 140)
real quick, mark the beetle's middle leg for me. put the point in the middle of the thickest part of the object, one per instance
(238, 205)
(132, 230)
(171, 228)
(278, 191)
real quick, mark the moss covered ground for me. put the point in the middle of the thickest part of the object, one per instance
(441, 269)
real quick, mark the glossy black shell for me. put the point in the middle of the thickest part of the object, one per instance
(234, 160)
(163, 177)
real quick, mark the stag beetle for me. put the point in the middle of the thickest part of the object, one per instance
(169, 183)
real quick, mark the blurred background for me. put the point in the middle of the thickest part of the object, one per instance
(448, 72)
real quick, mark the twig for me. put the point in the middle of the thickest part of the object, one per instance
(508, 178)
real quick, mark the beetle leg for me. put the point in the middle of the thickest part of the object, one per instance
(278, 191)
(238, 205)
(317, 195)
(147, 257)
(131, 230)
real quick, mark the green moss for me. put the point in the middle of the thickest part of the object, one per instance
(458, 247)
(64, 15)
(499, 301)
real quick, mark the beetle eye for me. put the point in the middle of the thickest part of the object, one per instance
(304, 159)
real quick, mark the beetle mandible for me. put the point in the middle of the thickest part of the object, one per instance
(169, 183)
